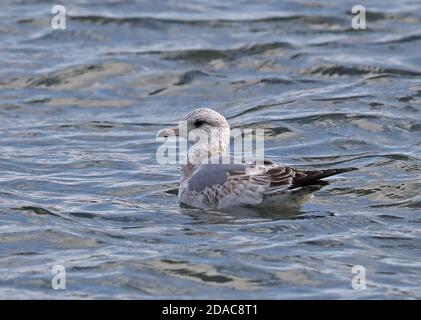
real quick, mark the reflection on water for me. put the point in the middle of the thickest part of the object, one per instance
(80, 185)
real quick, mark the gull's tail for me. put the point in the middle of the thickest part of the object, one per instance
(314, 176)
(303, 186)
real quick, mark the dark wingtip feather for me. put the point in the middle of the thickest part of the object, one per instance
(314, 177)
(347, 169)
(330, 172)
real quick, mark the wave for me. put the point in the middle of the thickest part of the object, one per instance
(342, 70)
(150, 20)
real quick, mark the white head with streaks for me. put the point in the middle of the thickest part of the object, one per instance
(209, 132)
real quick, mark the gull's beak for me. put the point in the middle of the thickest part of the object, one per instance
(167, 132)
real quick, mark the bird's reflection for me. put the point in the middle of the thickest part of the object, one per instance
(241, 213)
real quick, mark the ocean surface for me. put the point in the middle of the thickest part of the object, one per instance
(80, 186)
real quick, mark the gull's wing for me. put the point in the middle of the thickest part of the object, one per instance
(239, 184)
(209, 175)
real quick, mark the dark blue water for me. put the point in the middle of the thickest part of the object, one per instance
(80, 186)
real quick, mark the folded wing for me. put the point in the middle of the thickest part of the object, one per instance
(239, 184)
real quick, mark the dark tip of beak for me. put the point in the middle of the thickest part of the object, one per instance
(169, 132)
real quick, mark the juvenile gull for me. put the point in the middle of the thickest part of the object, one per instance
(224, 185)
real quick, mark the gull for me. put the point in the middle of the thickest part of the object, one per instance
(206, 183)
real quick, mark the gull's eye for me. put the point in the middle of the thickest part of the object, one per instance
(198, 123)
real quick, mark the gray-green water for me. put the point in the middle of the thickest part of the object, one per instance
(80, 186)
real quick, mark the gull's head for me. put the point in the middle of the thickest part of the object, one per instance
(206, 122)
(207, 132)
